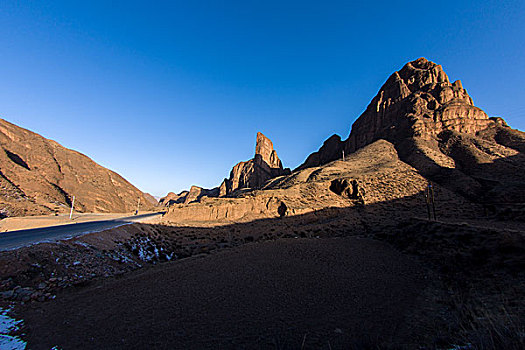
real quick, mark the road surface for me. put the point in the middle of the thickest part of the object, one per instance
(16, 239)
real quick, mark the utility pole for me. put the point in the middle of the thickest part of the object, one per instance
(431, 204)
(72, 205)
(138, 205)
(343, 155)
(432, 200)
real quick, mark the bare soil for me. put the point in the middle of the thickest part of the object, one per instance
(335, 291)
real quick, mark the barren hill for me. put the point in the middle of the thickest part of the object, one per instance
(39, 176)
(372, 177)
(419, 127)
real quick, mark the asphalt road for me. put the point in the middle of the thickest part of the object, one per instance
(16, 239)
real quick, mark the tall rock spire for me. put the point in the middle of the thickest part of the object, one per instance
(264, 148)
(256, 171)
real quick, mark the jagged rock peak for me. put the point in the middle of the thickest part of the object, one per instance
(418, 101)
(256, 171)
(264, 148)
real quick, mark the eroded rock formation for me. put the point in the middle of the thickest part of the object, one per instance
(436, 128)
(419, 100)
(173, 198)
(372, 176)
(195, 194)
(255, 172)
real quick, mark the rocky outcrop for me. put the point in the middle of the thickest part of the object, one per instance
(419, 101)
(436, 128)
(173, 198)
(39, 176)
(373, 176)
(195, 194)
(331, 150)
(256, 171)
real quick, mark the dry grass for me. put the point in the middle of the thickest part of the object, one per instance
(493, 330)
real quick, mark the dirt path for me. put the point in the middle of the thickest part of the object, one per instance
(263, 295)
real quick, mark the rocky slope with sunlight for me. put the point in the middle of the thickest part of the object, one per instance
(436, 128)
(300, 237)
(419, 127)
(39, 176)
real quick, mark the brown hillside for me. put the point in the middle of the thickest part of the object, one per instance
(372, 175)
(436, 128)
(39, 176)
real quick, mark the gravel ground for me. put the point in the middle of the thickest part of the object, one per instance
(333, 292)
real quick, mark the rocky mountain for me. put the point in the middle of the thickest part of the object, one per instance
(436, 128)
(372, 179)
(255, 172)
(195, 194)
(419, 127)
(39, 176)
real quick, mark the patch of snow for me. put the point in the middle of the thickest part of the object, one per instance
(83, 244)
(147, 250)
(141, 246)
(7, 326)
(462, 347)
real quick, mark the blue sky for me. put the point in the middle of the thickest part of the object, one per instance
(172, 93)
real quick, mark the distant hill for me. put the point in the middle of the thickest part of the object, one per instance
(39, 176)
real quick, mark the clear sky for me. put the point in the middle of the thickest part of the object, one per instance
(172, 93)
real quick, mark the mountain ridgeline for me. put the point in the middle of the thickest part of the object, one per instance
(436, 128)
(427, 122)
(39, 176)
(419, 127)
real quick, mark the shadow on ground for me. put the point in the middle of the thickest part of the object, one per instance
(324, 279)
